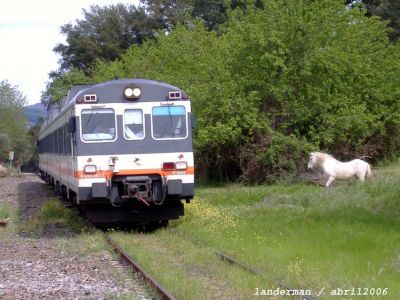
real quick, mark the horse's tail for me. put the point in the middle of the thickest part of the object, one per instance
(368, 173)
(364, 157)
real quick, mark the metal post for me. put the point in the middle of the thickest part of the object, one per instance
(11, 157)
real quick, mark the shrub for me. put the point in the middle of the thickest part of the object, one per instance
(274, 158)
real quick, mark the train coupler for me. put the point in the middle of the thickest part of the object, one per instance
(138, 187)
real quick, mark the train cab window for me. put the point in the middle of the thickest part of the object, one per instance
(98, 124)
(169, 122)
(133, 124)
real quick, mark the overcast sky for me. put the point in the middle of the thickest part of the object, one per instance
(29, 30)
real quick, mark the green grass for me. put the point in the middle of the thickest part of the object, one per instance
(53, 213)
(302, 235)
(187, 270)
(9, 214)
(8, 211)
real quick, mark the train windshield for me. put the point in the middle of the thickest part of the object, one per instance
(98, 124)
(133, 124)
(169, 122)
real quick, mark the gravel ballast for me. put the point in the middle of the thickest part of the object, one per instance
(35, 266)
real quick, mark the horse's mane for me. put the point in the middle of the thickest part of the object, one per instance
(322, 156)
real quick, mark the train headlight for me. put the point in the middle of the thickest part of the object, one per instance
(181, 165)
(90, 169)
(172, 166)
(132, 92)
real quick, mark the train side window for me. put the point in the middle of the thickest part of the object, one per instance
(98, 124)
(133, 124)
(55, 142)
(53, 146)
(60, 141)
(169, 122)
(47, 138)
(67, 140)
(64, 132)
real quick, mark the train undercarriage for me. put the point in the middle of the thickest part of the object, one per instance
(145, 199)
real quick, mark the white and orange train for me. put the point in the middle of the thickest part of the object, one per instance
(121, 150)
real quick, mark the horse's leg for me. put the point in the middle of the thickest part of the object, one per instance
(330, 180)
(361, 175)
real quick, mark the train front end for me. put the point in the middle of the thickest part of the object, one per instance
(133, 151)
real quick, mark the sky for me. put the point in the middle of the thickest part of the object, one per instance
(29, 30)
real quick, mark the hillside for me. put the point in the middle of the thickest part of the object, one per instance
(34, 112)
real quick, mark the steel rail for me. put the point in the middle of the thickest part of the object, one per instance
(253, 270)
(248, 268)
(138, 269)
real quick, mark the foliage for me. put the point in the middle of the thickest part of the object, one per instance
(213, 12)
(12, 123)
(105, 32)
(62, 81)
(387, 10)
(53, 213)
(33, 137)
(168, 13)
(7, 210)
(278, 79)
(5, 145)
(274, 157)
(194, 59)
(321, 73)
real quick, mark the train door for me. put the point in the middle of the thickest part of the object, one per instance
(72, 159)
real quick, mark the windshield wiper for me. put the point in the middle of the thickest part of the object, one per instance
(91, 113)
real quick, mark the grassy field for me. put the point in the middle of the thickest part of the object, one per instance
(301, 236)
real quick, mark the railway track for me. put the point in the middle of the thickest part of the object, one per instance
(161, 291)
(231, 260)
(164, 294)
(129, 261)
(253, 270)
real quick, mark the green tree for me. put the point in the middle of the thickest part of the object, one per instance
(319, 71)
(33, 137)
(168, 13)
(276, 81)
(12, 122)
(5, 146)
(388, 10)
(60, 83)
(104, 33)
(213, 12)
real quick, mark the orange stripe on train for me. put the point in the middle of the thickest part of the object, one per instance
(108, 174)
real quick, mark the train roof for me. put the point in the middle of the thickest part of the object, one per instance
(113, 92)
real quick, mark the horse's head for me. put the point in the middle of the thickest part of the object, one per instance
(318, 159)
(313, 160)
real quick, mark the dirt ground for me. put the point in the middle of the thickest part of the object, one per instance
(34, 266)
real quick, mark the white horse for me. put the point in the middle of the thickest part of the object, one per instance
(340, 170)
